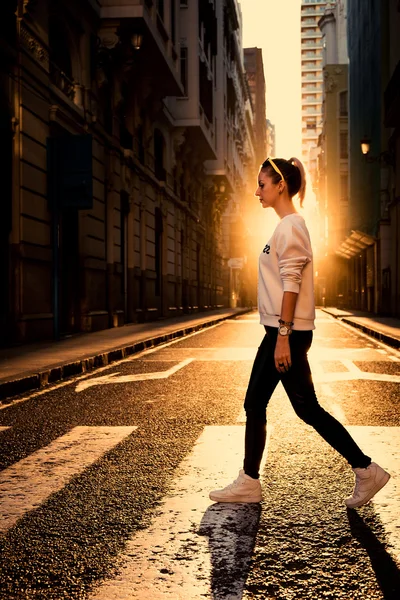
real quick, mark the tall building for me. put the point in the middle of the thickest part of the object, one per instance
(271, 147)
(311, 80)
(125, 136)
(333, 169)
(253, 64)
(254, 68)
(372, 244)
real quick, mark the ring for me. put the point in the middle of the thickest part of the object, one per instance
(281, 365)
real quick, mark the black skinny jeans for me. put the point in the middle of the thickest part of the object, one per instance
(298, 385)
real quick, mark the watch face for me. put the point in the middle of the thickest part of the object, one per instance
(283, 330)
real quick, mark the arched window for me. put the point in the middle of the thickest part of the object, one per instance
(60, 59)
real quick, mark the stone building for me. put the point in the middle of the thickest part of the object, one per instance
(333, 168)
(391, 107)
(119, 117)
(372, 245)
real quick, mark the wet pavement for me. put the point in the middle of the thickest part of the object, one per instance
(105, 477)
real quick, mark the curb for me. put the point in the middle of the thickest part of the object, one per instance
(36, 381)
(379, 335)
(382, 337)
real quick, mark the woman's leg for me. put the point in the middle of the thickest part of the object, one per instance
(300, 389)
(263, 380)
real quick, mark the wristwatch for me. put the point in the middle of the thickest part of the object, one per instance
(284, 330)
(285, 327)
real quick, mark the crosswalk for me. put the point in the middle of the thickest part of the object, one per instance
(189, 537)
(27, 484)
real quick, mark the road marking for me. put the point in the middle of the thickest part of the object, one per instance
(353, 373)
(337, 411)
(327, 390)
(383, 445)
(137, 356)
(115, 378)
(28, 483)
(189, 549)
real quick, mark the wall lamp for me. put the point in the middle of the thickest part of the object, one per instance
(219, 188)
(136, 40)
(384, 157)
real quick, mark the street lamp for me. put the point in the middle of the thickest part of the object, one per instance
(383, 157)
(136, 40)
(219, 188)
(365, 145)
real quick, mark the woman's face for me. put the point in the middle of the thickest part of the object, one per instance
(267, 191)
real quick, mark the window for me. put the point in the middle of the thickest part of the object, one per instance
(184, 69)
(343, 110)
(343, 144)
(344, 182)
(159, 145)
(158, 250)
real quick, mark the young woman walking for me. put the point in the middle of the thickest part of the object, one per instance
(287, 311)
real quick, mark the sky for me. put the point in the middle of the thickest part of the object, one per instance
(274, 26)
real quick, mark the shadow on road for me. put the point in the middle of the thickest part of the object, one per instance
(386, 570)
(231, 529)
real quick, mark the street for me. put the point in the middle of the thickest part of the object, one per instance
(105, 478)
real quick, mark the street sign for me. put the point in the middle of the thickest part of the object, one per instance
(236, 263)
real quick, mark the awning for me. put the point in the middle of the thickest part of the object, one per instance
(354, 244)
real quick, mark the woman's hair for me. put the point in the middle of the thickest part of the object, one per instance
(293, 172)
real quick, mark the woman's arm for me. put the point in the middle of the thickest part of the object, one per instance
(282, 348)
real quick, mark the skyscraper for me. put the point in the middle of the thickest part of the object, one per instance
(311, 79)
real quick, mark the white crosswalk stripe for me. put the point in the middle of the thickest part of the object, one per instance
(175, 557)
(382, 444)
(28, 483)
(172, 559)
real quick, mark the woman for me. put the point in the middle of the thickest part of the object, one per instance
(287, 311)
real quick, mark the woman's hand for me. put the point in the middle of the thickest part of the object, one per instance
(282, 356)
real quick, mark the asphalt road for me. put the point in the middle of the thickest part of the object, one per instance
(104, 479)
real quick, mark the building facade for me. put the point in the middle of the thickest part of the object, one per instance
(373, 51)
(271, 144)
(253, 61)
(311, 80)
(116, 153)
(391, 106)
(332, 166)
(254, 67)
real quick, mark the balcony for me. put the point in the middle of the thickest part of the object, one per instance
(62, 82)
(311, 113)
(157, 53)
(312, 78)
(307, 68)
(311, 45)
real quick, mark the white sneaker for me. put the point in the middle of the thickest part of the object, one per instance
(368, 482)
(243, 489)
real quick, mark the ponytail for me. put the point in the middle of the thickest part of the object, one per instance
(302, 190)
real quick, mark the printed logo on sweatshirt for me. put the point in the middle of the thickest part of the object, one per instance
(267, 249)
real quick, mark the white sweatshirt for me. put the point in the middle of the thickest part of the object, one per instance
(286, 265)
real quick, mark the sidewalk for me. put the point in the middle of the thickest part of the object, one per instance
(385, 329)
(30, 367)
